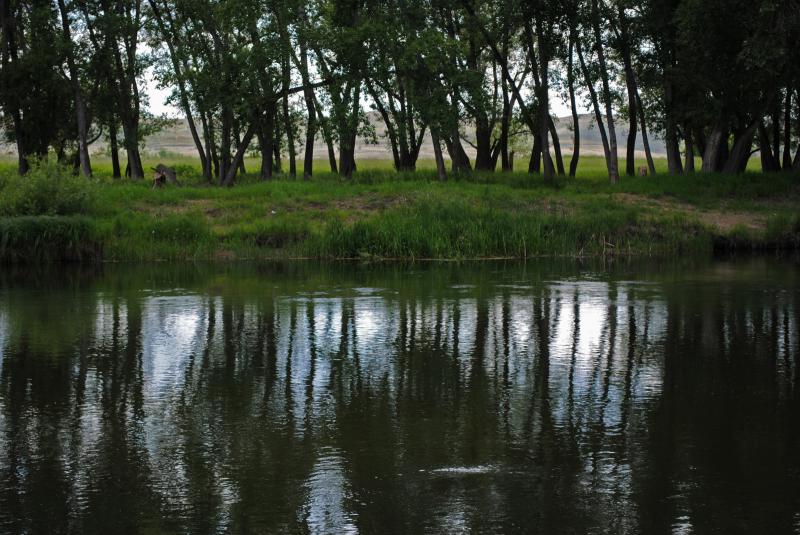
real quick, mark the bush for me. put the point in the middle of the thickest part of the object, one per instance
(46, 238)
(47, 189)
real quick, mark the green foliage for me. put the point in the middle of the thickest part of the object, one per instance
(47, 189)
(48, 238)
(383, 214)
(454, 229)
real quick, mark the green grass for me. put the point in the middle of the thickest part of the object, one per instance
(383, 214)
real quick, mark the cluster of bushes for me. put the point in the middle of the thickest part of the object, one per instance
(47, 189)
(458, 229)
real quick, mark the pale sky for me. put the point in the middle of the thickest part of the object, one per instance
(158, 105)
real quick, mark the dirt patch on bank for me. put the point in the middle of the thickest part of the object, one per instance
(723, 221)
(370, 203)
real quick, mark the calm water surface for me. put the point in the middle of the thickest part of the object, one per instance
(435, 398)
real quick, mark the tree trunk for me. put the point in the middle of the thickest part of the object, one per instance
(265, 146)
(225, 143)
(114, 146)
(613, 163)
(266, 139)
(347, 160)
(711, 156)
(651, 166)
(311, 132)
(556, 146)
(80, 104)
(239, 156)
(483, 143)
(130, 129)
(209, 156)
(737, 160)
(326, 134)
(598, 116)
(288, 126)
(671, 134)
(543, 96)
(689, 163)
(769, 160)
(576, 125)
(630, 82)
(441, 171)
(178, 72)
(535, 163)
(787, 131)
(23, 166)
(459, 160)
(276, 149)
(505, 125)
(240, 166)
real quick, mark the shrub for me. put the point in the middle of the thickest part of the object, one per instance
(47, 189)
(45, 238)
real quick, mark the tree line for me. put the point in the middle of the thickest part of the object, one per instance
(715, 79)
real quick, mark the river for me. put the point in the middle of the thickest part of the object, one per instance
(538, 397)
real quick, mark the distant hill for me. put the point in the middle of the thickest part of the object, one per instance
(177, 139)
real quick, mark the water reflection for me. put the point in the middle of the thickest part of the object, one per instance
(444, 398)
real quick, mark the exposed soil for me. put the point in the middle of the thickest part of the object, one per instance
(722, 221)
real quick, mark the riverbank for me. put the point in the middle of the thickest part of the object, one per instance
(382, 214)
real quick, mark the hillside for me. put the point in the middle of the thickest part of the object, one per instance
(178, 140)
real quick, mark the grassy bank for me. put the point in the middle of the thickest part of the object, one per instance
(382, 214)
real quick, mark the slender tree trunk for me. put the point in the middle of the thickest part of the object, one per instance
(388, 124)
(326, 134)
(689, 164)
(576, 125)
(598, 116)
(179, 75)
(225, 143)
(671, 133)
(311, 123)
(311, 131)
(613, 164)
(737, 160)
(711, 156)
(209, 156)
(556, 145)
(80, 104)
(130, 130)
(266, 140)
(276, 148)
(441, 171)
(787, 130)
(239, 156)
(630, 82)
(114, 146)
(288, 126)
(483, 142)
(241, 168)
(651, 166)
(505, 124)
(769, 160)
(776, 136)
(544, 101)
(535, 163)
(459, 160)
(23, 166)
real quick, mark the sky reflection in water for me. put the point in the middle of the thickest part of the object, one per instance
(438, 398)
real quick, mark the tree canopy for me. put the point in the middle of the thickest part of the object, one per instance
(715, 79)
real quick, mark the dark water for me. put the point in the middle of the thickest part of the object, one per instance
(439, 398)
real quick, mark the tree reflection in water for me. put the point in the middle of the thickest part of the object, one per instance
(342, 398)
